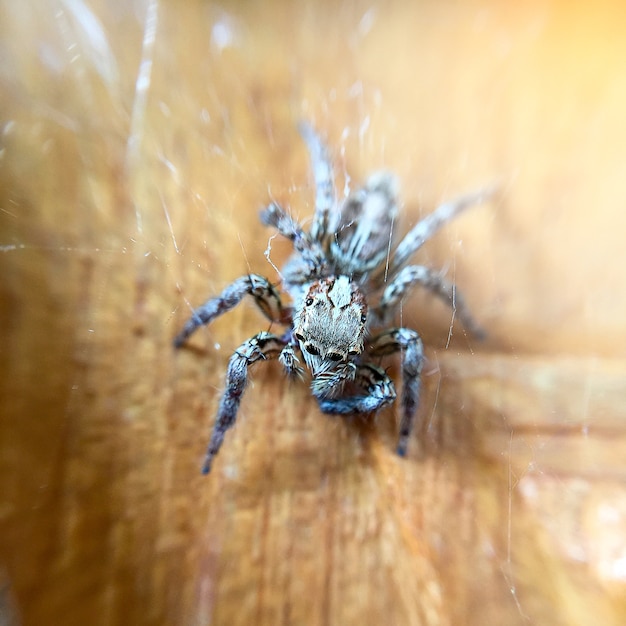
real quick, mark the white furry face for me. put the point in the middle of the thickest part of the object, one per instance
(330, 325)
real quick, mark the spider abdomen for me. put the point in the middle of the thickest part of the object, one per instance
(363, 237)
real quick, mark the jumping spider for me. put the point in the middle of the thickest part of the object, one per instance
(343, 283)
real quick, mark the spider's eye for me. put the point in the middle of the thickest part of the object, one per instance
(308, 302)
(311, 349)
(334, 356)
(363, 318)
(353, 352)
(299, 336)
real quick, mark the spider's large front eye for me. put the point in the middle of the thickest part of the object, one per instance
(311, 349)
(334, 356)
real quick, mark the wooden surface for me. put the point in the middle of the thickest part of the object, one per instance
(137, 144)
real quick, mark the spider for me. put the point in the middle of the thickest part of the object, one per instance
(344, 285)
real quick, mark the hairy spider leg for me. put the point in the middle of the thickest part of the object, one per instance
(265, 296)
(378, 387)
(407, 342)
(263, 346)
(427, 227)
(326, 215)
(347, 241)
(420, 275)
(310, 250)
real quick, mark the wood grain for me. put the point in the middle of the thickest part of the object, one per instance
(138, 143)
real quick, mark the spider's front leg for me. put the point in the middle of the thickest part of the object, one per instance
(420, 275)
(265, 296)
(378, 387)
(262, 346)
(407, 342)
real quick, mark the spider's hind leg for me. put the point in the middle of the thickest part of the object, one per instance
(309, 249)
(326, 215)
(429, 225)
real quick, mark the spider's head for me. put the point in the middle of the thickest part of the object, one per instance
(330, 324)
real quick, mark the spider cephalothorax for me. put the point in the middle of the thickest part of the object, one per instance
(330, 324)
(345, 282)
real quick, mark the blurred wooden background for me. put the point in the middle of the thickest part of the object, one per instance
(137, 143)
